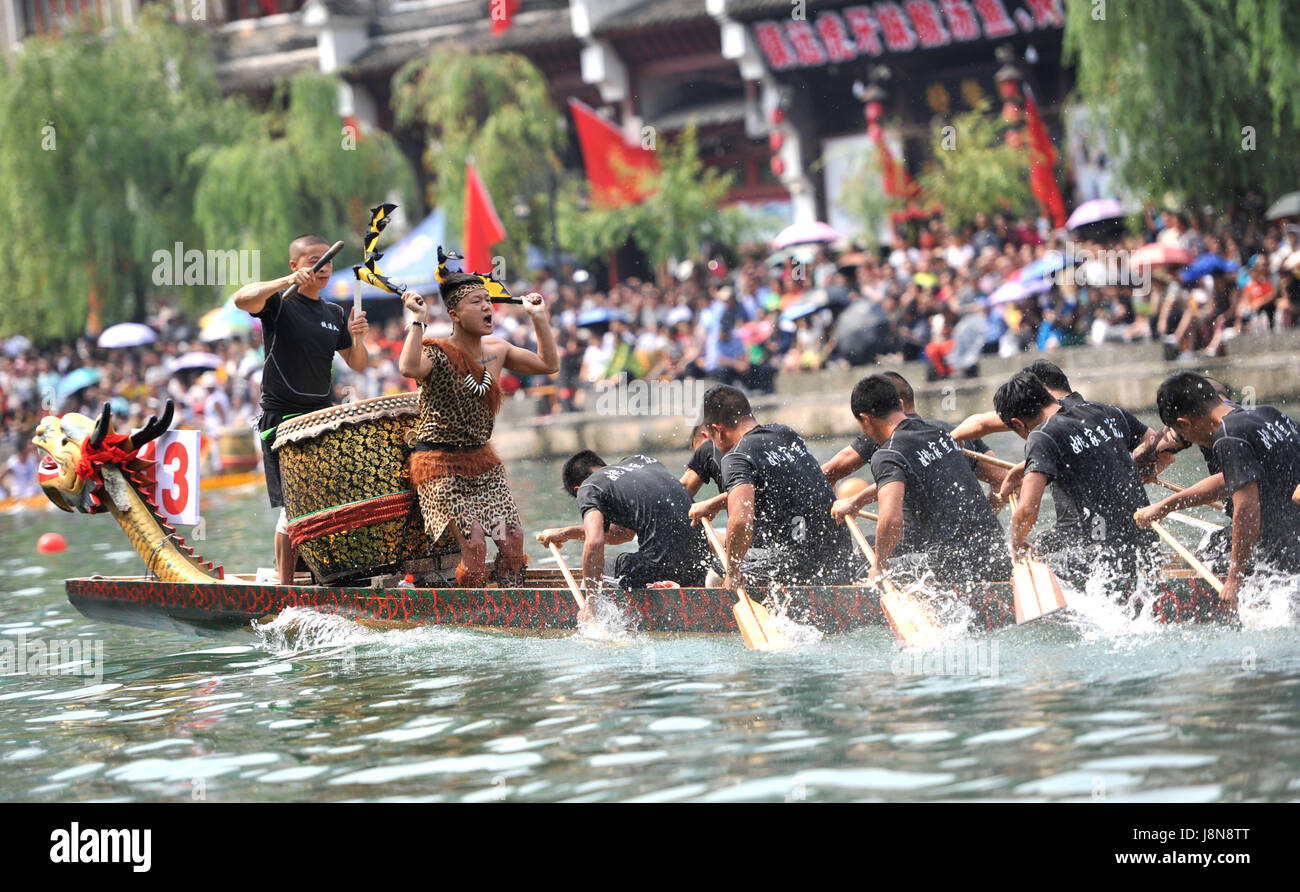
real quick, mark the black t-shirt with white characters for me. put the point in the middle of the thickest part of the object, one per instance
(792, 498)
(706, 464)
(1085, 450)
(945, 513)
(301, 336)
(640, 494)
(1262, 446)
(866, 447)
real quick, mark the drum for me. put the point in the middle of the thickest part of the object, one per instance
(238, 449)
(347, 492)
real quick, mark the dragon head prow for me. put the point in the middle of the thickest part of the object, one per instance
(64, 441)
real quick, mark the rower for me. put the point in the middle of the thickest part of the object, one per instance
(1086, 450)
(1216, 547)
(637, 497)
(928, 489)
(1258, 451)
(777, 491)
(858, 453)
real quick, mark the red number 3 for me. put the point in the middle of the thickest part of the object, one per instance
(175, 504)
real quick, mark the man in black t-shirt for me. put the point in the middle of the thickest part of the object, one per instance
(1085, 449)
(635, 497)
(705, 465)
(774, 485)
(301, 336)
(858, 453)
(1258, 452)
(927, 490)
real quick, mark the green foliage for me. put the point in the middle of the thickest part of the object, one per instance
(975, 170)
(681, 213)
(93, 172)
(1180, 79)
(299, 170)
(496, 108)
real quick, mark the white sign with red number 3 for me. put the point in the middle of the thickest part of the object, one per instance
(177, 458)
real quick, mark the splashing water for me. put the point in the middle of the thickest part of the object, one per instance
(610, 623)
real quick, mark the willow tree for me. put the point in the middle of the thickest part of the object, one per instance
(681, 213)
(93, 168)
(974, 169)
(496, 108)
(1202, 96)
(297, 168)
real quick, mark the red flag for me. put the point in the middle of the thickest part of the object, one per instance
(502, 14)
(898, 182)
(483, 227)
(615, 168)
(1042, 157)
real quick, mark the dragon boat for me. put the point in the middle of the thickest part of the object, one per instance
(355, 519)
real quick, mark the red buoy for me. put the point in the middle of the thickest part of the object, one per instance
(50, 543)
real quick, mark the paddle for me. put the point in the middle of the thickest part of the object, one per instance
(1186, 555)
(1205, 525)
(868, 515)
(568, 577)
(316, 267)
(911, 622)
(980, 456)
(1035, 588)
(757, 628)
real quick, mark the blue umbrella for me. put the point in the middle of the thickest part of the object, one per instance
(1045, 265)
(600, 316)
(1208, 265)
(77, 379)
(801, 309)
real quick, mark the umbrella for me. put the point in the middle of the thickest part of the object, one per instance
(75, 380)
(801, 309)
(1156, 254)
(1015, 289)
(127, 334)
(1208, 265)
(1286, 206)
(1049, 263)
(805, 234)
(194, 360)
(1094, 212)
(802, 253)
(861, 332)
(600, 316)
(755, 332)
(17, 344)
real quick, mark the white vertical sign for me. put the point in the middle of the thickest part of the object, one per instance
(177, 458)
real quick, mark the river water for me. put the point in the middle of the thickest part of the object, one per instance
(316, 708)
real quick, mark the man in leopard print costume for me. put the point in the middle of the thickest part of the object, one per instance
(458, 476)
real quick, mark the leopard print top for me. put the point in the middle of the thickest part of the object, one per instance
(451, 411)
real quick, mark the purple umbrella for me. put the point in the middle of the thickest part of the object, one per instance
(805, 234)
(1014, 290)
(1094, 212)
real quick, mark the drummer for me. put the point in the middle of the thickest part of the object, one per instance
(460, 480)
(301, 336)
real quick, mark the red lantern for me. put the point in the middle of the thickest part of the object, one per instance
(1011, 113)
(1015, 139)
(775, 140)
(778, 115)
(778, 167)
(873, 132)
(1009, 87)
(875, 108)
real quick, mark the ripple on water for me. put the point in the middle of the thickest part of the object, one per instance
(882, 779)
(455, 765)
(674, 724)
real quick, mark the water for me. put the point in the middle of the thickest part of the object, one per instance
(317, 708)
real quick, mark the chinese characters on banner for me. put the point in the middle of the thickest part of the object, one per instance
(897, 27)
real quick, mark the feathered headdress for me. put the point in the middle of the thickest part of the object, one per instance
(455, 285)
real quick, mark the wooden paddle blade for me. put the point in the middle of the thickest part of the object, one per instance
(1037, 590)
(908, 617)
(757, 628)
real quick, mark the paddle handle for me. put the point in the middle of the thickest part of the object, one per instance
(1208, 526)
(868, 515)
(568, 577)
(863, 544)
(992, 460)
(1172, 487)
(712, 536)
(316, 267)
(1192, 560)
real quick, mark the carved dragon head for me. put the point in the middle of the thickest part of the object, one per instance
(63, 442)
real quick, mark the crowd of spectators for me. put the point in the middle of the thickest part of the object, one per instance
(928, 298)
